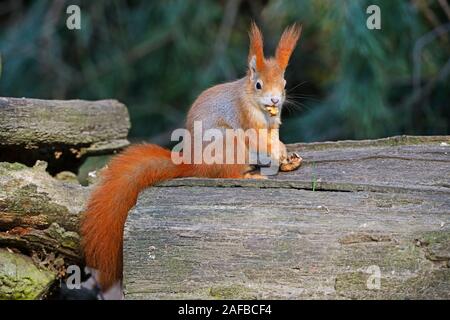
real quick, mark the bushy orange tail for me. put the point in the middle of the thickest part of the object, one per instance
(127, 174)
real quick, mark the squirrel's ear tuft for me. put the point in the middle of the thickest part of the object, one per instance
(287, 44)
(256, 47)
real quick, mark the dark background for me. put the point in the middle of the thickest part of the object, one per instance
(348, 82)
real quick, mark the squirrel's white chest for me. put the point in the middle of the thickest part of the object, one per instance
(265, 119)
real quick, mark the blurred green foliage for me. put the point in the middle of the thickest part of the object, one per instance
(346, 81)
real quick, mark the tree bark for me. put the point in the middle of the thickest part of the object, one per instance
(39, 212)
(359, 219)
(62, 133)
(318, 232)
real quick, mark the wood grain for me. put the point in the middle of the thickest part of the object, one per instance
(62, 133)
(322, 232)
(39, 212)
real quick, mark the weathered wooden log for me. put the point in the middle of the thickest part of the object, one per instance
(21, 278)
(363, 219)
(38, 212)
(314, 233)
(62, 133)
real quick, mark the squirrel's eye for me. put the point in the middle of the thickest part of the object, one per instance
(258, 85)
(285, 84)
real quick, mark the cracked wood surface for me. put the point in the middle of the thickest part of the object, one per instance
(60, 132)
(98, 125)
(39, 212)
(354, 208)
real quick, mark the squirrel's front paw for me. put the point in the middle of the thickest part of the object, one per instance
(293, 162)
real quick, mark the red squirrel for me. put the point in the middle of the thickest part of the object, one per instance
(253, 102)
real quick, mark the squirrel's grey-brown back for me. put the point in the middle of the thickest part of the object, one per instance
(217, 107)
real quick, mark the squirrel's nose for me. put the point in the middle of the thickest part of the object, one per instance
(275, 100)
